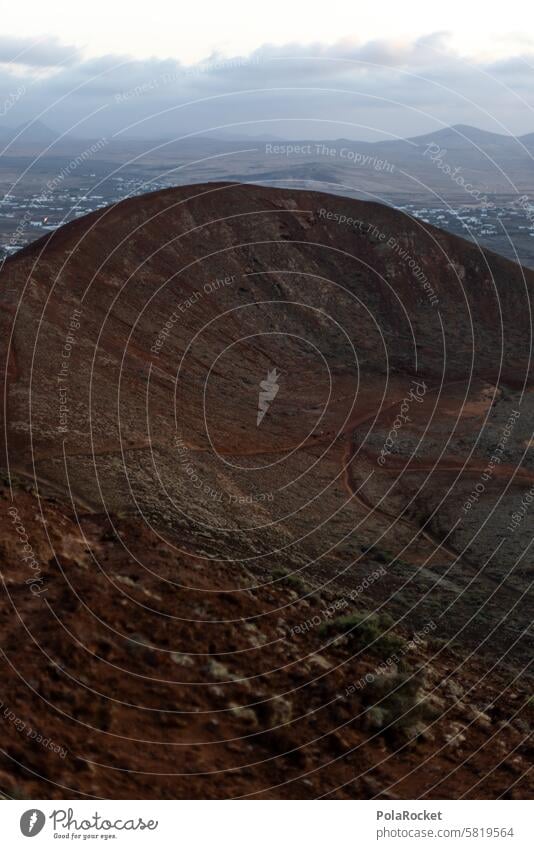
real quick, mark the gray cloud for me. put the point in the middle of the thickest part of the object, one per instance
(41, 53)
(359, 90)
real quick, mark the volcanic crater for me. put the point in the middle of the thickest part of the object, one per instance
(395, 361)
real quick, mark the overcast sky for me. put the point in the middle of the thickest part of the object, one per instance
(292, 69)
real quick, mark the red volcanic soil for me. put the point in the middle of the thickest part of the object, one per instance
(143, 687)
(183, 546)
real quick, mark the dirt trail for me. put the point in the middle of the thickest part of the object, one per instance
(54, 488)
(352, 487)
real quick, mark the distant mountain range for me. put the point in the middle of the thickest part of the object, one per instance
(459, 163)
(458, 166)
(29, 133)
(457, 137)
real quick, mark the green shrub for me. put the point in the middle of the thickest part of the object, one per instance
(365, 630)
(397, 704)
(293, 581)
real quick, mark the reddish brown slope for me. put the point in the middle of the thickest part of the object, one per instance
(135, 342)
(228, 691)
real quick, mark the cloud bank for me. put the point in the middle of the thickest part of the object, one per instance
(372, 90)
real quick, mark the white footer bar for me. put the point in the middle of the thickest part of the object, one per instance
(269, 824)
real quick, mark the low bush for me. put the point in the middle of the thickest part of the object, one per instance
(366, 630)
